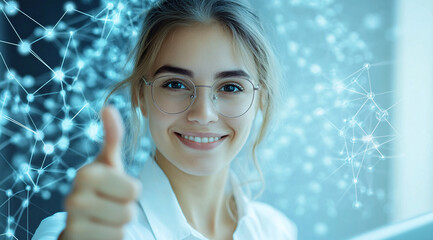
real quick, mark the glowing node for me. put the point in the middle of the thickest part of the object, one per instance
(39, 135)
(71, 33)
(80, 64)
(70, 173)
(28, 188)
(110, 6)
(46, 195)
(372, 21)
(62, 93)
(308, 167)
(355, 180)
(59, 75)
(331, 39)
(371, 95)
(92, 131)
(357, 204)
(134, 33)
(69, 6)
(26, 108)
(9, 232)
(367, 138)
(9, 193)
(36, 189)
(11, 8)
(116, 19)
(315, 69)
(48, 148)
(63, 143)
(30, 97)
(319, 112)
(321, 21)
(24, 48)
(49, 34)
(25, 203)
(11, 219)
(120, 6)
(367, 65)
(353, 140)
(382, 115)
(320, 229)
(41, 171)
(67, 124)
(11, 75)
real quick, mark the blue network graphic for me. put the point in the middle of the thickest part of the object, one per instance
(327, 162)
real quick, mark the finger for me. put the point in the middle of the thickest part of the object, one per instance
(108, 182)
(87, 229)
(114, 130)
(110, 212)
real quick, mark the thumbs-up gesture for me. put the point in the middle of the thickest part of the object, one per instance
(102, 199)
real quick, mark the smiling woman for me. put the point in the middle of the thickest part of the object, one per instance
(203, 72)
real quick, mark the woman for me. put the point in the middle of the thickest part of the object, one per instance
(202, 73)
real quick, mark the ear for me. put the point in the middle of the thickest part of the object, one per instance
(139, 100)
(142, 103)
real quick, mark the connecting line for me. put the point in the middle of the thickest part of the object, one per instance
(60, 19)
(80, 110)
(18, 123)
(111, 29)
(37, 40)
(362, 162)
(42, 61)
(360, 108)
(1, 55)
(30, 18)
(12, 26)
(105, 23)
(13, 44)
(361, 69)
(43, 86)
(369, 81)
(66, 51)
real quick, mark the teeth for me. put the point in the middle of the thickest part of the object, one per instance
(201, 140)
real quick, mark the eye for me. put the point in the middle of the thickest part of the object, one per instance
(174, 85)
(231, 88)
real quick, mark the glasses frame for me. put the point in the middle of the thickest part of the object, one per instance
(194, 96)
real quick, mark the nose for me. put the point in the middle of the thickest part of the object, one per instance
(202, 109)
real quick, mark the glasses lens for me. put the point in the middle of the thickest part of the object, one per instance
(233, 97)
(172, 94)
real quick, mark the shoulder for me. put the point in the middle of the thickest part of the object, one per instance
(51, 227)
(273, 222)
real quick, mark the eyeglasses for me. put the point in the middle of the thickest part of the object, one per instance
(174, 94)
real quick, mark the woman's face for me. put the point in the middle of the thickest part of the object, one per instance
(202, 51)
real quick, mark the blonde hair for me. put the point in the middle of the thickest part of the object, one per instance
(248, 35)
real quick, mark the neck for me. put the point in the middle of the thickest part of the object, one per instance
(201, 198)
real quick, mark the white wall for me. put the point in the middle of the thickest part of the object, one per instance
(412, 168)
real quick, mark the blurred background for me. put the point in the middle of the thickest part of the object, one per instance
(351, 152)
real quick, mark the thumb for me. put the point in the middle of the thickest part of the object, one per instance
(113, 129)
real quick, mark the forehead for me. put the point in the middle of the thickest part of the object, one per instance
(203, 49)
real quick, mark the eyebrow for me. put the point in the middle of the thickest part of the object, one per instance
(189, 73)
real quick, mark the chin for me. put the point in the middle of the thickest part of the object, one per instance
(201, 167)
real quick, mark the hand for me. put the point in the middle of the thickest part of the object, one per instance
(102, 199)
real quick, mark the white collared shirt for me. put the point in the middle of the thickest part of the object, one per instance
(160, 216)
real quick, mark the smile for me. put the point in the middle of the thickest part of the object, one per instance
(200, 143)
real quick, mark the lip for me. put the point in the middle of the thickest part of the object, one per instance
(201, 146)
(201, 134)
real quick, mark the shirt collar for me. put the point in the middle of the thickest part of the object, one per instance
(160, 204)
(163, 210)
